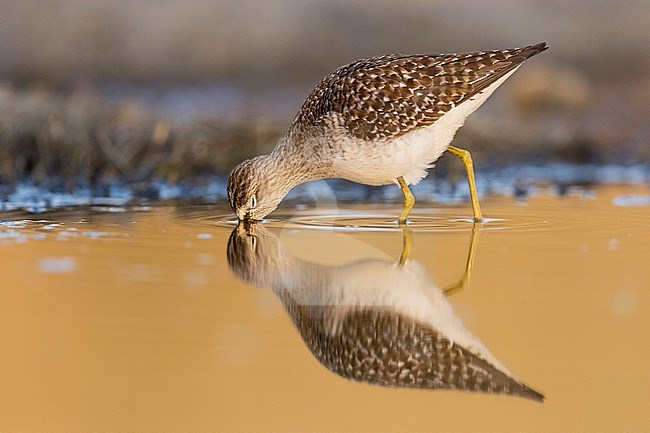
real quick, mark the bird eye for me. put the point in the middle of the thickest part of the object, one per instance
(253, 202)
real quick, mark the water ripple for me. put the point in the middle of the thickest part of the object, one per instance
(445, 219)
(385, 221)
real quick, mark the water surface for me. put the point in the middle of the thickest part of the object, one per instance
(169, 318)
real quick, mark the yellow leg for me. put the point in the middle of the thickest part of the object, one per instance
(407, 242)
(466, 158)
(467, 275)
(409, 200)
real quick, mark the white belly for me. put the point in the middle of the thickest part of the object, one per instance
(411, 155)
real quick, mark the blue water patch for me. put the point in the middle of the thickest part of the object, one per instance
(519, 181)
(632, 200)
(57, 265)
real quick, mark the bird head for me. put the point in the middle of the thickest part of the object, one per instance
(255, 188)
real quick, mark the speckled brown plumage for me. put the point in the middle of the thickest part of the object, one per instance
(388, 96)
(377, 346)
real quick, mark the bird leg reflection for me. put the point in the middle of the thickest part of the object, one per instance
(467, 275)
(407, 243)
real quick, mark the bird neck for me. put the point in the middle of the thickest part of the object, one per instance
(296, 162)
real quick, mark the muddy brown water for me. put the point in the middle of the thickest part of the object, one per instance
(164, 319)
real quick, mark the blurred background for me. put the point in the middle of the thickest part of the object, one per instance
(142, 93)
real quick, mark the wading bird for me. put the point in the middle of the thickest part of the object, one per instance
(377, 121)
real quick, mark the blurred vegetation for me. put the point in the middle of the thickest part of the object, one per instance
(52, 136)
(70, 110)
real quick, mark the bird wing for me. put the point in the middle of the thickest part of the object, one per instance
(388, 96)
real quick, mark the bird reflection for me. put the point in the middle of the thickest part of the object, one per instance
(375, 320)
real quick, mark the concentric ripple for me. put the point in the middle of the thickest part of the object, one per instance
(553, 213)
(369, 220)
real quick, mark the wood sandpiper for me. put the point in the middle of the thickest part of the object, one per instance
(377, 121)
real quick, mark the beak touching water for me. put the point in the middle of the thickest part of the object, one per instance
(243, 215)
